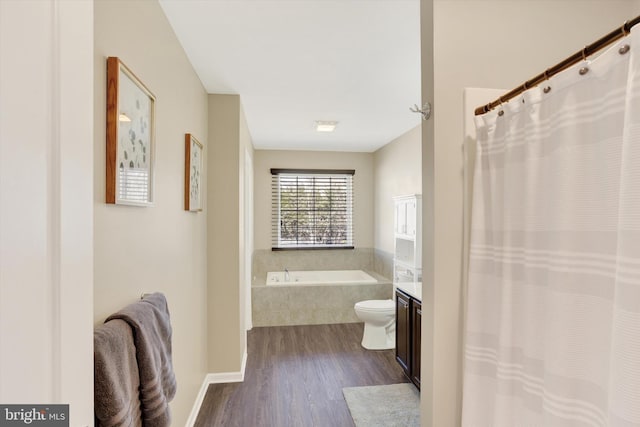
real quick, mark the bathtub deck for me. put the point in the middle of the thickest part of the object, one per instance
(295, 375)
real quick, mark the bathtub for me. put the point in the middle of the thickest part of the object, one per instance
(314, 297)
(329, 277)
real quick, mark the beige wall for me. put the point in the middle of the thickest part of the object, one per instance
(229, 141)
(478, 44)
(363, 186)
(160, 248)
(397, 171)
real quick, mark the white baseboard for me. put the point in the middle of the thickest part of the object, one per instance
(217, 378)
(197, 404)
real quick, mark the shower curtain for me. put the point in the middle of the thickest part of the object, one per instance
(553, 321)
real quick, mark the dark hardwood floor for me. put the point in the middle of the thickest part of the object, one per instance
(294, 377)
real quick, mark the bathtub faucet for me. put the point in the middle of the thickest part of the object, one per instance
(286, 275)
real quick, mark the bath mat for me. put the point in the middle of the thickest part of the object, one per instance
(384, 405)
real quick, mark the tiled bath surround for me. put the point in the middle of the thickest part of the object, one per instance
(309, 305)
(312, 305)
(383, 263)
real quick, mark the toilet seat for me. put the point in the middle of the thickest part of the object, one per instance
(376, 305)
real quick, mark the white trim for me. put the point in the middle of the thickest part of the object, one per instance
(198, 403)
(243, 365)
(217, 378)
(73, 67)
(248, 237)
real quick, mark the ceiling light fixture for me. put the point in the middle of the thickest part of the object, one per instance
(326, 126)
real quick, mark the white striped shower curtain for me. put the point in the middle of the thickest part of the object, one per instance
(553, 322)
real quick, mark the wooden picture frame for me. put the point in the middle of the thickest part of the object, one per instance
(130, 137)
(193, 165)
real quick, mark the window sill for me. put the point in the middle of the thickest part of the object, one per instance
(312, 248)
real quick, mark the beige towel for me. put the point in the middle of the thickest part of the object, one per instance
(116, 378)
(150, 322)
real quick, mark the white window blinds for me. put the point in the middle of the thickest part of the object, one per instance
(134, 185)
(311, 209)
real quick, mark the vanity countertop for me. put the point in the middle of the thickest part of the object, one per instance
(414, 289)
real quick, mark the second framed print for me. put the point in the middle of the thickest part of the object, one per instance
(193, 164)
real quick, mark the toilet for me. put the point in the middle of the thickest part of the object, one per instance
(379, 317)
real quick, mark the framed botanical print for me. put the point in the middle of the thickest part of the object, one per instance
(193, 164)
(130, 137)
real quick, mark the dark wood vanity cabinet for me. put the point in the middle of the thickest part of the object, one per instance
(403, 331)
(416, 331)
(408, 330)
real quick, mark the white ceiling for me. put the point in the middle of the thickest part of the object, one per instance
(297, 61)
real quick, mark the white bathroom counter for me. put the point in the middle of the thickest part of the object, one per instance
(413, 289)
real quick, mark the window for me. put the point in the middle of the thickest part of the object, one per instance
(311, 209)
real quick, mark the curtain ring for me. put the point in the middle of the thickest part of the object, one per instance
(625, 29)
(584, 53)
(546, 74)
(501, 111)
